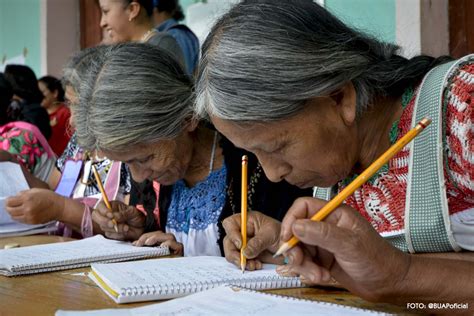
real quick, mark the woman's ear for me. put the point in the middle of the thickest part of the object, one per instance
(134, 10)
(346, 102)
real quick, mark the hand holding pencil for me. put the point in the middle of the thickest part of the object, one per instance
(360, 180)
(104, 195)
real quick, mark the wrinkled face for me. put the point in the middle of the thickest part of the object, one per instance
(165, 161)
(49, 98)
(115, 20)
(312, 148)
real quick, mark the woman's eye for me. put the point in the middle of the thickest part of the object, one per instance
(145, 159)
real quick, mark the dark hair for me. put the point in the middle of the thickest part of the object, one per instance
(24, 83)
(264, 59)
(6, 94)
(170, 6)
(147, 4)
(54, 84)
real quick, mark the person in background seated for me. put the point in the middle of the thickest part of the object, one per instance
(196, 172)
(131, 21)
(71, 205)
(59, 113)
(166, 15)
(26, 100)
(23, 141)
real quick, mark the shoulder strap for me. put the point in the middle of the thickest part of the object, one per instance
(427, 223)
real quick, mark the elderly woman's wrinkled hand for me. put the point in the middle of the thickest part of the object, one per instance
(263, 237)
(130, 221)
(162, 239)
(345, 247)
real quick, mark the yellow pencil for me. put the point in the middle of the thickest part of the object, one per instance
(360, 180)
(243, 213)
(104, 196)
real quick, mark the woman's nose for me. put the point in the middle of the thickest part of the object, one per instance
(274, 169)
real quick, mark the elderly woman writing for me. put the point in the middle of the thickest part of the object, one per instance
(136, 106)
(317, 102)
(77, 191)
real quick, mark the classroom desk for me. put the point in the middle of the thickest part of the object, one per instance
(43, 294)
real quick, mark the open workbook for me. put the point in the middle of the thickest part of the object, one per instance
(72, 254)
(158, 279)
(225, 300)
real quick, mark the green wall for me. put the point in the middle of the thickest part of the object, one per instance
(20, 28)
(376, 17)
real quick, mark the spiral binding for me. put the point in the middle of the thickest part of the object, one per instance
(23, 269)
(181, 289)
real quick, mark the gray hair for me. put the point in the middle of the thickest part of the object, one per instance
(263, 61)
(134, 94)
(77, 66)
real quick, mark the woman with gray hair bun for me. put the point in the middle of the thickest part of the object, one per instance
(136, 106)
(317, 102)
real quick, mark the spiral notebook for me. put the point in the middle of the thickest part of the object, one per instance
(159, 279)
(71, 255)
(226, 300)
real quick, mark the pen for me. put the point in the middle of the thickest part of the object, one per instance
(360, 180)
(104, 196)
(243, 213)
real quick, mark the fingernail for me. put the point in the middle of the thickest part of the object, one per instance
(237, 243)
(299, 228)
(248, 252)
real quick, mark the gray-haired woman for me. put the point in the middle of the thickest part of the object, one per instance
(76, 191)
(317, 102)
(136, 106)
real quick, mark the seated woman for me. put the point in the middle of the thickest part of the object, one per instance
(23, 141)
(321, 101)
(76, 187)
(140, 113)
(58, 112)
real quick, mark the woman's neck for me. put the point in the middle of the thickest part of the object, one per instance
(374, 130)
(202, 155)
(141, 30)
(53, 108)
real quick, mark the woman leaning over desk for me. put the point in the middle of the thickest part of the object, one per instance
(317, 102)
(76, 188)
(136, 106)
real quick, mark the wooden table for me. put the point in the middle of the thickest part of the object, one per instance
(43, 294)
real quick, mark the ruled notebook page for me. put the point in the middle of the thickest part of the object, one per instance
(173, 277)
(225, 300)
(37, 258)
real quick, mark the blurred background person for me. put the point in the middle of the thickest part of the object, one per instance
(131, 21)
(27, 98)
(59, 113)
(166, 15)
(22, 142)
